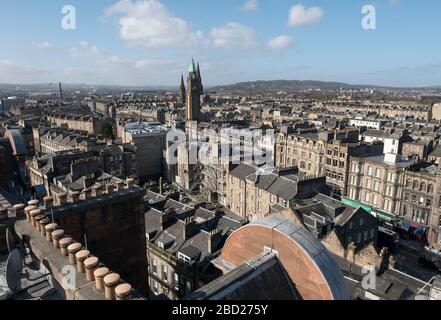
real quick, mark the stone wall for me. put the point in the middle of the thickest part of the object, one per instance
(114, 227)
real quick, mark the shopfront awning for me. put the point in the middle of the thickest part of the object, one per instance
(384, 216)
(380, 215)
(355, 204)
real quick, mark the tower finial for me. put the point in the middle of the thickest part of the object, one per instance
(192, 66)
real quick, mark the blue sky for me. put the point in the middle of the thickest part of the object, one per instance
(150, 42)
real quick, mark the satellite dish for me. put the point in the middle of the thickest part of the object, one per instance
(14, 270)
(9, 240)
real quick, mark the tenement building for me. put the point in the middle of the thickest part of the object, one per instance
(377, 182)
(253, 190)
(181, 242)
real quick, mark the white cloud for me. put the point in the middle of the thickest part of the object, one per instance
(148, 23)
(11, 72)
(280, 43)
(250, 5)
(233, 35)
(45, 45)
(301, 16)
(102, 67)
(84, 51)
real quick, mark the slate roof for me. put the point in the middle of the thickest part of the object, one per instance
(254, 280)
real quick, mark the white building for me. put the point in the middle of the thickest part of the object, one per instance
(392, 142)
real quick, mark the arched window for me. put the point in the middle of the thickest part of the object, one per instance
(423, 187)
(430, 188)
(416, 185)
(408, 183)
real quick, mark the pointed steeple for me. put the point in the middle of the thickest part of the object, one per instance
(182, 92)
(198, 72)
(192, 68)
(182, 81)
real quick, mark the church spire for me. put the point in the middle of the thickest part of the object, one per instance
(192, 68)
(198, 75)
(182, 93)
(194, 92)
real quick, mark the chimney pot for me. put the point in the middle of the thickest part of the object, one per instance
(87, 193)
(64, 243)
(19, 210)
(48, 202)
(109, 188)
(62, 199)
(56, 236)
(49, 228)
(130, 182)
(33, 214)
(80, 256)
(27, 210)
(90, 264)
(97, 190)
(37, 221)
(99, 275)
(33, 203)
(110, 282)
(43, 224)
(123, 292)
(72, 249)
(119, 185)
(75, 196)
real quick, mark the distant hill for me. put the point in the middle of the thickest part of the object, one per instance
(287, 85)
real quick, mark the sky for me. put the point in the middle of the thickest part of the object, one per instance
(151, 42)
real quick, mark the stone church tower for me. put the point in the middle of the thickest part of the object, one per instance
(194, 93)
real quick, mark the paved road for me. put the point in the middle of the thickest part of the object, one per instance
(407, 262)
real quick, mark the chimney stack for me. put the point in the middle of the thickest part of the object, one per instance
(130, 182)
(119, 185)
(75, 196)
(97, 190)
(87, 193)
(62, 199)
(109, 188)
(213, 234)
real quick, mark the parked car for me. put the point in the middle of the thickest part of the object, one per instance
(430, 260)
